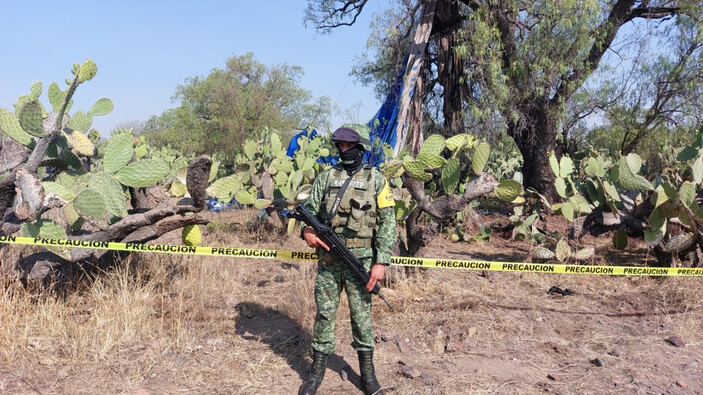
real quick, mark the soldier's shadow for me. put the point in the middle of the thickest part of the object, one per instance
(286, 338)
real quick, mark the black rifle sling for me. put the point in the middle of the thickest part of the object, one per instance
(340, 194)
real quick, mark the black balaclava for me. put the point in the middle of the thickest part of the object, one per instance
(352, 158)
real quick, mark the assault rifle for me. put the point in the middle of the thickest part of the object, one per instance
(336, 245)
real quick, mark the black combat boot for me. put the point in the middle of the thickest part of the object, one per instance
(368, 375)
(319, 364)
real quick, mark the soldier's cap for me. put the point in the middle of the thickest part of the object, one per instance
(349, 135)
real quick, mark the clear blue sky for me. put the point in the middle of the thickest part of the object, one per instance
(143, 49)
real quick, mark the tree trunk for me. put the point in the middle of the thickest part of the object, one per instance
(450, 66)
(535, 136)
(415, 116)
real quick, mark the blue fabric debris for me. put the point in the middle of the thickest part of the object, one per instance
(383, 127)
(384, 123)
(217, 206)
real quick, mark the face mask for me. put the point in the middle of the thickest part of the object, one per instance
(351, 158)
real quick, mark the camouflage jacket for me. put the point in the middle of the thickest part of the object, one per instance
(385, 235)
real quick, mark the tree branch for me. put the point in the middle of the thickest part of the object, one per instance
(619, 15)
(447, 206)
(653, 12)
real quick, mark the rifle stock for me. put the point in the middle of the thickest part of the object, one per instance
(336, 245)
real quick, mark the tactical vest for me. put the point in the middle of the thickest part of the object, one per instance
(356, 215)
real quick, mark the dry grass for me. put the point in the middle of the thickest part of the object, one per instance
(174, 324)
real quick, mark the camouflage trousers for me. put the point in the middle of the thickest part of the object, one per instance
(331, 279)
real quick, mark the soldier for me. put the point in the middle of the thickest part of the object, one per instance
(356, 201)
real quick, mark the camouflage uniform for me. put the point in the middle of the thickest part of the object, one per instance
(370, 238)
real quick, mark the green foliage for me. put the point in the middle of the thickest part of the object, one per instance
(264, 158)
(526, 228)
(430, 164)
(617, 186)
(563, 252)
(31, 121)
(505, 160)
(98, 197)
(220, 111)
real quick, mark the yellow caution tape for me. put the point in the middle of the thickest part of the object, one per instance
(395, 260)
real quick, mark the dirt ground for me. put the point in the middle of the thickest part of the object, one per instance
(203, 325)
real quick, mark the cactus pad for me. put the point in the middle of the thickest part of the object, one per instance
(687, 193)
(56, 96)
(390, 168)
(262, 203)
(620, 240)
(178, 189)
(295, 179)
(11, 127)
(431, 160)
(276, 148)
(416, 170)
(451, 173)
(79, 142)
(191, 235)
(59, 190)
(88, 70)
(634, 162)
(508, 190)
(560, 186)
(141, 151)
(89, 203)
(102, 107)
(285, 166)
(94, 136)
(480, 157)
(595, 168)
(629, 180)
(566, 166)
(291, 226)
(35, 90)
(433, 145)
(540, 252)
(118, 152)
(554, 164)
(308, 163)
(250, 149)
(213, 170)
(244, 197)
(679, 242)
(111, 192)
(81, 121)
(72, 217)
(30, 117)
(457, 142)
(44, 228)
(281, 178)
(142, 173)
(225, 187)
(563, 251)
(584, 254)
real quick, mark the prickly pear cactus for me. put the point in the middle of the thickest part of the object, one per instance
(97, 197)
(191, 235)
(265, 172)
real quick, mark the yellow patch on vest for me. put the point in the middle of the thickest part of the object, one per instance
(385, 198)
